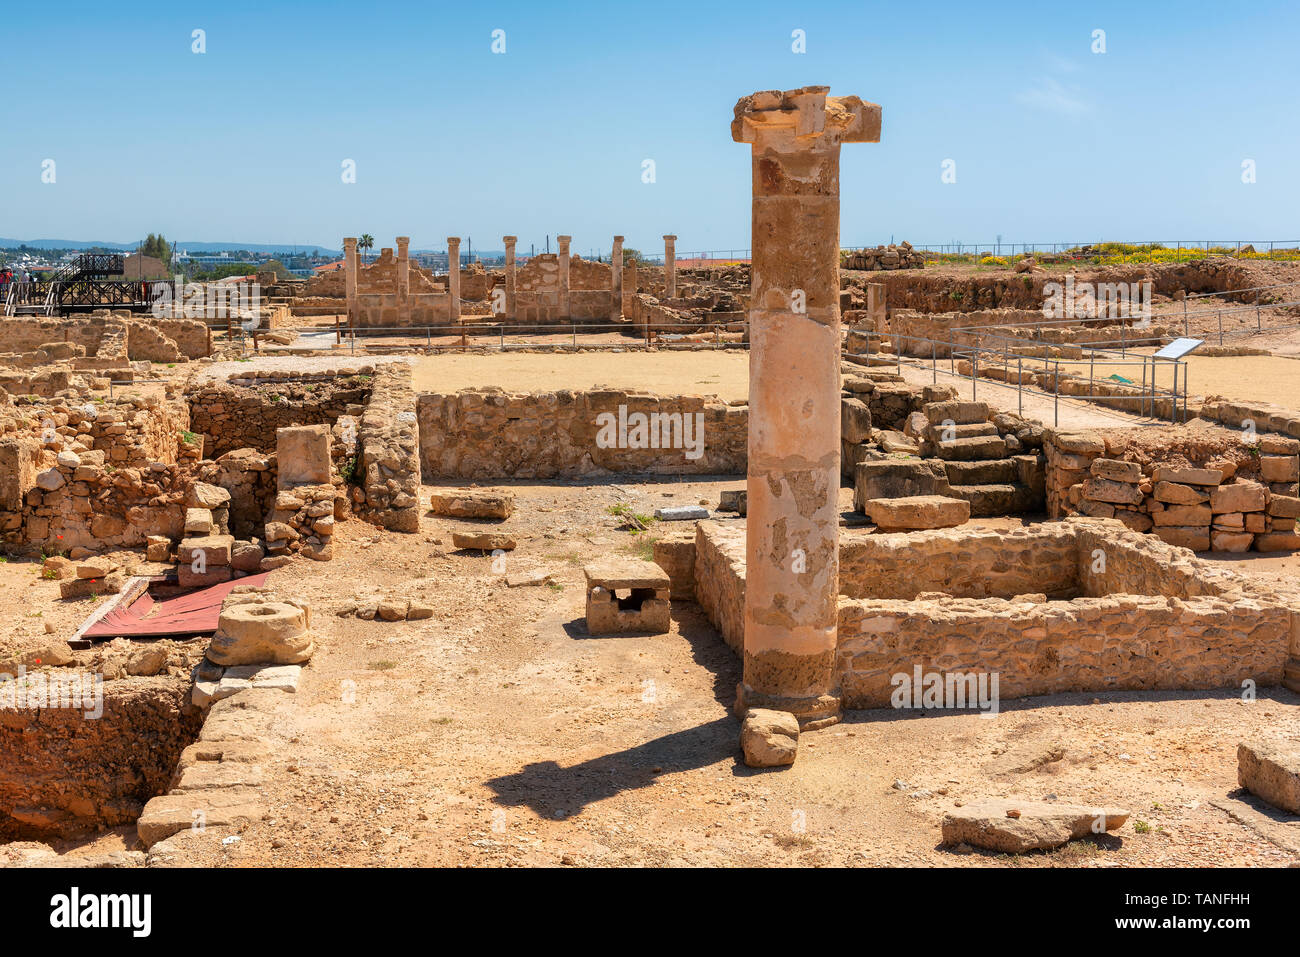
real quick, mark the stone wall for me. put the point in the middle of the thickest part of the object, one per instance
(537, 290)
(979, 563)
(83, 473)
(1133, 612)
(1205, 491)
(488, 433)
(245, 413)
(108, 337)
(389, 453)
(1119, 642)
(720, 579)
(1258, 416)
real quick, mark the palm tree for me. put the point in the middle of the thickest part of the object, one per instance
(366, 241)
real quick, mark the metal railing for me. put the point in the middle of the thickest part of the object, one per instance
(1033, 374)
(503, 336)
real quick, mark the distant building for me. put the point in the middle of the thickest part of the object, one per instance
(138, 266)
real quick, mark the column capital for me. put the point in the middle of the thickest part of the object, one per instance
(670, 239)
(403, 241)
(453, 240)
(510, 240)
(618, 239)
(565, 240)
(804, 118)
(350, 242)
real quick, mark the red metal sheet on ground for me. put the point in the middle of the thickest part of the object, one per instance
(192, 614)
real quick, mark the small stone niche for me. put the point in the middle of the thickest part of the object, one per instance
(627, 596)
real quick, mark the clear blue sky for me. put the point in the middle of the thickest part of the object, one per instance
(244, 142)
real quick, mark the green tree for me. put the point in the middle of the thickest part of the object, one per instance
(631, 255)
(366, 242)
(157, 247)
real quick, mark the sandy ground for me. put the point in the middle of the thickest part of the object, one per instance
(1065, 412)
(1273, 378)
(499, 733)
(723, 372)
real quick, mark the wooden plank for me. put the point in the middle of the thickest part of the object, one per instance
(135, 586)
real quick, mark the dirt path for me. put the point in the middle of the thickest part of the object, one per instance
(1032, 404)
(498, 733)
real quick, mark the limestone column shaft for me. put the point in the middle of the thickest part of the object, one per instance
(453, 276)
(616, 280)
(563, 243)
(670, 267)
(510, 274)
(792, 541)
(403, 268)
(350, 277)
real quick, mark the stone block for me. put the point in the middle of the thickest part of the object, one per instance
(483, 541)
(198, 521)
(1013, 826)
(957, 411)
(1116, 470)
(1277, 542)
(215, 549)
(1279, 468)
(1270, 772)
(1240, 496)
(917, 512)
(769, 738)
(645, 607)
(1197, 539)
(1231, 541)
(1116, 493)
(472, 503)
(1175, 494)
(1187, 476)
(855, 420)
(303, 455)
(1182, 515)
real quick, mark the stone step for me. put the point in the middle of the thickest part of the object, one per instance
(998, 498)
(982, 472)
(971, 449)
(971, 430)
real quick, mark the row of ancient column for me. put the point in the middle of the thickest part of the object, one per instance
(351, 270)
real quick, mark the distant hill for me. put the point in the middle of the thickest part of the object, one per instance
(192, 247)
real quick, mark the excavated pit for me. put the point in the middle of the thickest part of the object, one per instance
(70, 767)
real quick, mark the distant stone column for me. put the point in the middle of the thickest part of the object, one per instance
(563, 242)
(453, 276)
(350, 277)
(792, 541)
(510, 274)
(403, 268)
(670, 267)
(616, 281)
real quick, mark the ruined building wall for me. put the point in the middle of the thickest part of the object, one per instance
(389, 453)
(537, 295)
(489, 433)
(245, 413)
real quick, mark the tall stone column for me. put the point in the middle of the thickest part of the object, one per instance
(453, 276)
(403, 268)
(350, 277)
(616, 281)
(792, 541)
(563, 242)
(510, 274)
(670, 267)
